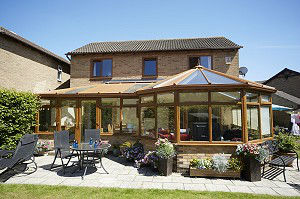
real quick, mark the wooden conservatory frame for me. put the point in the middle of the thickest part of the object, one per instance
(176, 89)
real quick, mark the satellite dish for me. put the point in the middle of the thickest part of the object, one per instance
(243, 71)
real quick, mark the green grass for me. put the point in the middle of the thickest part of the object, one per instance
(8, 191)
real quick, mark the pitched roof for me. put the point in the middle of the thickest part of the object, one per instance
(157, 45)
(29, 43)
(201, 76)
(285, 72)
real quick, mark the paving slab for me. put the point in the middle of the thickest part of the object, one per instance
(286, 191)
(241, 189)
(151, 185)
(195, 187)
(263, 190)
(172, 185)
(217, 187)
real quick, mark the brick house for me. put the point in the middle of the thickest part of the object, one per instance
(28, 67)
(185, 90)
(128, 59)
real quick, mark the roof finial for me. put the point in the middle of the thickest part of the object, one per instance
(198, 67)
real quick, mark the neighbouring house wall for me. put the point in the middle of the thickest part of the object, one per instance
(290, 85)
(129, 65)
(27, 69)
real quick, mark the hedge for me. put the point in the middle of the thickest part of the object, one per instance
(17, 116)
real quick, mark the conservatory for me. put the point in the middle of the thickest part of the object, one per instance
(196, 107)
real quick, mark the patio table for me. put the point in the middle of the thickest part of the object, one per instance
(85, 150)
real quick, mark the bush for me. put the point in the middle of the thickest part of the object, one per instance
(17, 116)
(286, 142)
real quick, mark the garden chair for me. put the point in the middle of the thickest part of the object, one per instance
(62, 149)
(276, 161)
(22, 154)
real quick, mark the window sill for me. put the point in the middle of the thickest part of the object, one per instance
(149, 77)
(100, 78)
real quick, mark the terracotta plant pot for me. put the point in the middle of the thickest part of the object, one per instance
(165, 166)
(251, 169)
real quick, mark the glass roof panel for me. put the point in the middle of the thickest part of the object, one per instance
(194, 78)
(219, 79)
(77, 90)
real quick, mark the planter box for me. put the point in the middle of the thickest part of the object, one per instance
(213, 173)
(251, 169)
(165, 166)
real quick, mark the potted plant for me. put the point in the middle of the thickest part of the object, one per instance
(165, 152)
(42, 147)
(116, 150)
(217, 166)
(252, 155)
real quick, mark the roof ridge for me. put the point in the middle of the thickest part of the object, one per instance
(167, 39)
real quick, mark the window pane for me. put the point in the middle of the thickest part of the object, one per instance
(107, 68)
(130, 101)
(165, 98)
(227, 123)
(252, 123)
(265, 98)
(166, 122)
(68, 120)
(252, 97)
(225, 96)
(110, 119)
(96, 69)
(150, 67)
(148, 122)
(193, 97)
(88, 115)
(205, 61)
(147, 99)
(130, 122)
(110, 101)
(47, 116)
(194, 123)
(265, 121)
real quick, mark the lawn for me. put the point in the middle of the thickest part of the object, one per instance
(37, 191)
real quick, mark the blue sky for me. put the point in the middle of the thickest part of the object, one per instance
(268, 30)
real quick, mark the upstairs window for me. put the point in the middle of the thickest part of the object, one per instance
(202, 60)
(102, 68)
(59, 73)
(150, 67)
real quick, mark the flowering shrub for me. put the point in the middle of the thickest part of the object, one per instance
(164, 149)
(252, 150)
(149, 159)
(43, 146)
(136, 152)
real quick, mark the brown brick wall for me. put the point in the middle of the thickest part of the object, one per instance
(129, 65)
(24, 68)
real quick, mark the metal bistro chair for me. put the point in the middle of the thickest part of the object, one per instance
(62, 149)
(277, 161)
(95, 135)
(22, 154)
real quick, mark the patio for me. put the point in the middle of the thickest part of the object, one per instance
(122, 174)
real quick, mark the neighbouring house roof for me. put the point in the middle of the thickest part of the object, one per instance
(285, 99)
(284, 73)
(198, 77)
(13, 35)
(157, 45)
